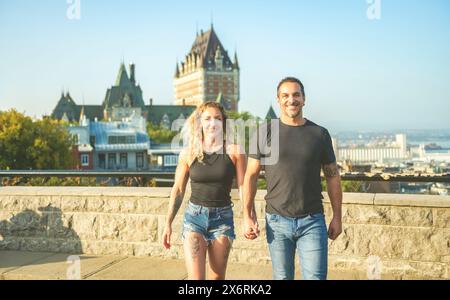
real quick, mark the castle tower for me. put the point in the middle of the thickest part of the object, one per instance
(206, 73)
(125, 97)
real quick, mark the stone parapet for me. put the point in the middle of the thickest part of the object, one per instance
(402, 236)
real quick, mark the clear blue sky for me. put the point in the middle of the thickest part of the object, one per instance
(358, 73)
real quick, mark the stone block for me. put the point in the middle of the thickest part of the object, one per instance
(413, 269)
(412, 200)
(111, 205)
(9, 243)
(149, 205)
(345, 263)
(344, 244)
(248, 256)
(9, 203)
(83, 225)
(95, 204)
(27, 223)
(73, 203)
(61, 225)
(441, 217)
(387, 215)
(128, 228)
(420, 244)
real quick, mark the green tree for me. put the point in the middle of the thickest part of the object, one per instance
(16, 140)
(348, 186)
(244, 116)
(240, 115)
(159, 134)
(33, 144)
(52, 145)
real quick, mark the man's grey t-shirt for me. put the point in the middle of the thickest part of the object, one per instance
(293, 182)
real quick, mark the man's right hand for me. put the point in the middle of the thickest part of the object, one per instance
(251, 227)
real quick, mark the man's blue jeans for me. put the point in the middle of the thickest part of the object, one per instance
(308, 235)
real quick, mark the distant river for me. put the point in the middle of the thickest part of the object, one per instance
(442, 143)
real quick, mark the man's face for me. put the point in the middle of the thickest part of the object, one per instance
(290, 99)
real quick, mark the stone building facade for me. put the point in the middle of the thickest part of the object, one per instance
(207, 74)
(122, 100)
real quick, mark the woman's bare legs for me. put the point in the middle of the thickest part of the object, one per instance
(195, 248)
(218, 252)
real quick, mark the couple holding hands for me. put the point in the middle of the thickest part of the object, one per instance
(294, 210)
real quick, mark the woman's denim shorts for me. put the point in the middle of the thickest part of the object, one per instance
(210, 222)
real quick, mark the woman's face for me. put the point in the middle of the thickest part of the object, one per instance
(211, 120)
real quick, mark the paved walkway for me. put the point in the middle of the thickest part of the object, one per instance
(44, 265)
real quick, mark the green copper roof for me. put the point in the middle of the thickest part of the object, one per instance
(155, 113)
(122, 77)
(123, 89)
(271, 114)
(116, 96)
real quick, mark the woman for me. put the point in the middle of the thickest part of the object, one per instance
(211, 164)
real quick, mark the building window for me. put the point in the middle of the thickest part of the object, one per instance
(111, 161)
(125, 139)
(170, 160)
(130, 139)
(76, 139)
(123, 160)
(101, 161)
(85, 160)
(112, 140)
(92, 140)
(165, 121)
(154, 160)
(139, 160)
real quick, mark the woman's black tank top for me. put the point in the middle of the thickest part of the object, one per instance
(211, 180)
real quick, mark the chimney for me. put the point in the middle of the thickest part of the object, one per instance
(132, 69)
(184, 102)
(151, 101)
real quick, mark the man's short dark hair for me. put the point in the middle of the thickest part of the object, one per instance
(291, 79)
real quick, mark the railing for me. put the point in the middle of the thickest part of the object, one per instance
(169, 176)
(83, 173)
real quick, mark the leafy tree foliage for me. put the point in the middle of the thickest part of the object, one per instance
(33, 144)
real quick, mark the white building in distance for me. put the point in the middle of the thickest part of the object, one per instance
(366, 154)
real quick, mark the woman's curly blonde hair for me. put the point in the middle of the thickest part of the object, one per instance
(193, 130)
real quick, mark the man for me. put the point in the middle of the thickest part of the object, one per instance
(294, 209)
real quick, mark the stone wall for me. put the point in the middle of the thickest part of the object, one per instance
(401, 236)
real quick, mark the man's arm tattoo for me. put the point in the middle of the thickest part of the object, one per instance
(331, 170)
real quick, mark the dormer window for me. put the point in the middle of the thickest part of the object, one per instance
(121, 139)
(165, 121)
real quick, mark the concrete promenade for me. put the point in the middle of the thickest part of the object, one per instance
(22, 265)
